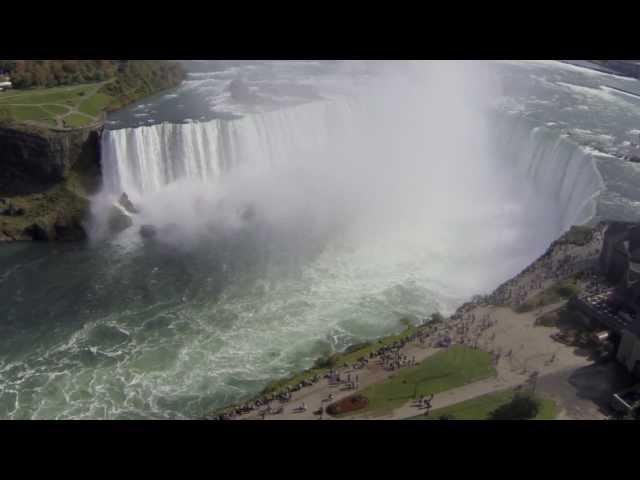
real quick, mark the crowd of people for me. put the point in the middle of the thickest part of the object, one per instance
(464, 327)
(560, 261)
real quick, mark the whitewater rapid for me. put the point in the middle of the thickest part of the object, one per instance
(143, 160)
(368, 209)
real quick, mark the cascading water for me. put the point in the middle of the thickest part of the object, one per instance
(556, 166)
(143, 160)
(370, 207)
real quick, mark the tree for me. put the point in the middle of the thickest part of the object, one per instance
(446, 416)
(41, 75)
(5, 116)
(523, 406)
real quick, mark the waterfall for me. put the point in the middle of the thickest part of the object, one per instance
(556, 166)
(142, 160)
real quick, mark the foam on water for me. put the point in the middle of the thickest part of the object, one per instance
(388, 202)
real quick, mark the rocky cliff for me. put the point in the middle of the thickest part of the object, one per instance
(45, 178)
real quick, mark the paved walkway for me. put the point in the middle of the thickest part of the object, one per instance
(520, 349)
(59, 118)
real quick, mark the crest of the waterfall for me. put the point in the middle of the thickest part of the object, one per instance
(551, 165)
(406, 159)
(146, 159)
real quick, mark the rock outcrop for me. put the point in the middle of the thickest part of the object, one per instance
(33, 159)
(119, 219)
(45, 179)
(127, 204)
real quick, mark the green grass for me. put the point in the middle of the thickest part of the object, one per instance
(46, 104)
(480, 408)
(47, 95)
(55, 109)
(451, 368)
(76, 120)
(338, 359)
(95, 104)
(27, 112)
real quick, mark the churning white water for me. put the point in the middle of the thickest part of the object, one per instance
(290, 233)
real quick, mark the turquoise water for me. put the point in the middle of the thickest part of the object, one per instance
(180, 325)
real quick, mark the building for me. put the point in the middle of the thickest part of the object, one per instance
(619, 262)
(625, 67)
(615, 251)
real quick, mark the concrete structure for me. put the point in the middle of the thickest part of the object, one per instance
(629, 352)
(625, 67)
(620, 263)
(613, 261)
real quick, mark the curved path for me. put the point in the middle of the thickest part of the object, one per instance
(70, 110)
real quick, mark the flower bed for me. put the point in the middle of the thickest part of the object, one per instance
(348, 404)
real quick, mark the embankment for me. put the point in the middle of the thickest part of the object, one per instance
(45, 178)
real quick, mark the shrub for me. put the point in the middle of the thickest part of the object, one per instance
(522, 406)
(578, 235)
(567, 290)
(357, 346)
(326, 362)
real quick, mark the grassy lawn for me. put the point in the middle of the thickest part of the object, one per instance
(48, 95)
(95, 104)
(323, 366)
(479, 408)
(44, 105)
(451, 368)
(29, 112)
(55, 109)
(76, 120)
(350, 356)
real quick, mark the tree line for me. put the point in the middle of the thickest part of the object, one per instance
(53, 73)
(139, 75)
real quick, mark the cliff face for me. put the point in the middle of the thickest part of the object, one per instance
(45, 177)
(32, 159)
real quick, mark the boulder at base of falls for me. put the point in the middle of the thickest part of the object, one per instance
(127, 204)
(69, 230)
(118, 220)
(148, 231)
(38, 232)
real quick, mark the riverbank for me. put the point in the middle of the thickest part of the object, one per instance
(521, 349)
(50, 143)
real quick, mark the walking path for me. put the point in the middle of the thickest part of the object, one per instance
(521, 349)
(58, 117)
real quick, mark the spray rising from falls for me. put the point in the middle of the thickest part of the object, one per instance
(391, 204)
(144, 160)
(400, 164)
